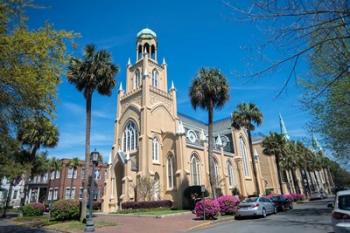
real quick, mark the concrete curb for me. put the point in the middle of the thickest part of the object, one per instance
(148, 216)
(211, 223)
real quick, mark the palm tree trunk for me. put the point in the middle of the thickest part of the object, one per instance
(287, 181)
(210, 150)
(279, 173)
(8, 198)
(87, 154)
(254, 165)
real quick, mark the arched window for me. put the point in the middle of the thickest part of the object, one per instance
(195, 170)
(216, 172)
(155, 149)
(130, 137)
(244, 156)
(153, 52)
(137, 79)
(155, 78)
(230, 173)
(146, 48)
(156, 187)
(139, 52)
(170, 171)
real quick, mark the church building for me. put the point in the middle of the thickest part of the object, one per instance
(154, 141)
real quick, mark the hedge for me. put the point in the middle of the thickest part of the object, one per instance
(33, 209)
(65, 210)
(146, 204)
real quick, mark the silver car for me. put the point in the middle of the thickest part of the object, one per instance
(341, 212)
(256, 206)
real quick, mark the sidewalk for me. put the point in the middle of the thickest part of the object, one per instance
(132, 224)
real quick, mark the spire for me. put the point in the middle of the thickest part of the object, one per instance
(315, 144)
(283, 128)
(163, 63)
(218, 141)
(180, 129)
(172, 86)
(129, 62)
(121, 87)
(202, 136)
(145, 51)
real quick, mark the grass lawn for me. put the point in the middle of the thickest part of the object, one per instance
(150, 212)
(72, 226)
(76, 226)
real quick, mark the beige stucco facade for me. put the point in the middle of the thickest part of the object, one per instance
(153, 140)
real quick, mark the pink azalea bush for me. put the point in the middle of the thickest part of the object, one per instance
(294, 196)
(211, 207)
(228, 204)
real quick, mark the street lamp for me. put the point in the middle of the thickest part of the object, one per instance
(94, 157)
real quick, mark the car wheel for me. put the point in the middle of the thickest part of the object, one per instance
(263, 213)
(291, 206)
(275, 210)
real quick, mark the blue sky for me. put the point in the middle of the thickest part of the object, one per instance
(191, 34)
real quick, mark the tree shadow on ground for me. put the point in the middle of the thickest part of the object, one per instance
(307, 212)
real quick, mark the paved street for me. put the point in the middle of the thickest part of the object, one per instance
(313, 217)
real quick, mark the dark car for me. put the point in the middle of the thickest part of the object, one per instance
(282, 203)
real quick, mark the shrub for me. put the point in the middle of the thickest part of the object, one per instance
(209, 207)
(235, 191)
(33, 209)
(65, 210)
(228, 204)
(191, 194)
(146, 204)
(294, 196)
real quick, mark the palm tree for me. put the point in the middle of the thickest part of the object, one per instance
(37, 132)
(209, 90)
(275, 144)
(73, 163)
(94, 72)
(291, 162)
(247, 116)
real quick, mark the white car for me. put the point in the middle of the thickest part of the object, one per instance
(341, 212)
(255, 206)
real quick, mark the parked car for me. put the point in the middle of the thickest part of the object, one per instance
(282, 203)
(341, 212)
(317, 196)
(255, 206)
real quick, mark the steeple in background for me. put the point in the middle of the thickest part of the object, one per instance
(315, 144)
(283, 128)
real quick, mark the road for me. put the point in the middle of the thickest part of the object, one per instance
(311, 217)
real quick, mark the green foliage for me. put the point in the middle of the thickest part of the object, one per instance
(247, 116)
(330, 77)
(209, 89)
(33, 209)
(31, 63)
(235, 191)
(65, 210)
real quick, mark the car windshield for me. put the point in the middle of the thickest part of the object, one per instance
(251, 199)
(344, 202)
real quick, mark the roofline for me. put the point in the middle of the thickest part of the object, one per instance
(200, 121)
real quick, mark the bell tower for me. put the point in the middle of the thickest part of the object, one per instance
(146, 43)
(146, 66)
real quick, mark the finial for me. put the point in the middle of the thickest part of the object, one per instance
(145, 51)
(120, 87)
(163, 63)
(218, 141)
(129, 62)
(172, 86)
(110, 158)
(180, 129)
(202, 136)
